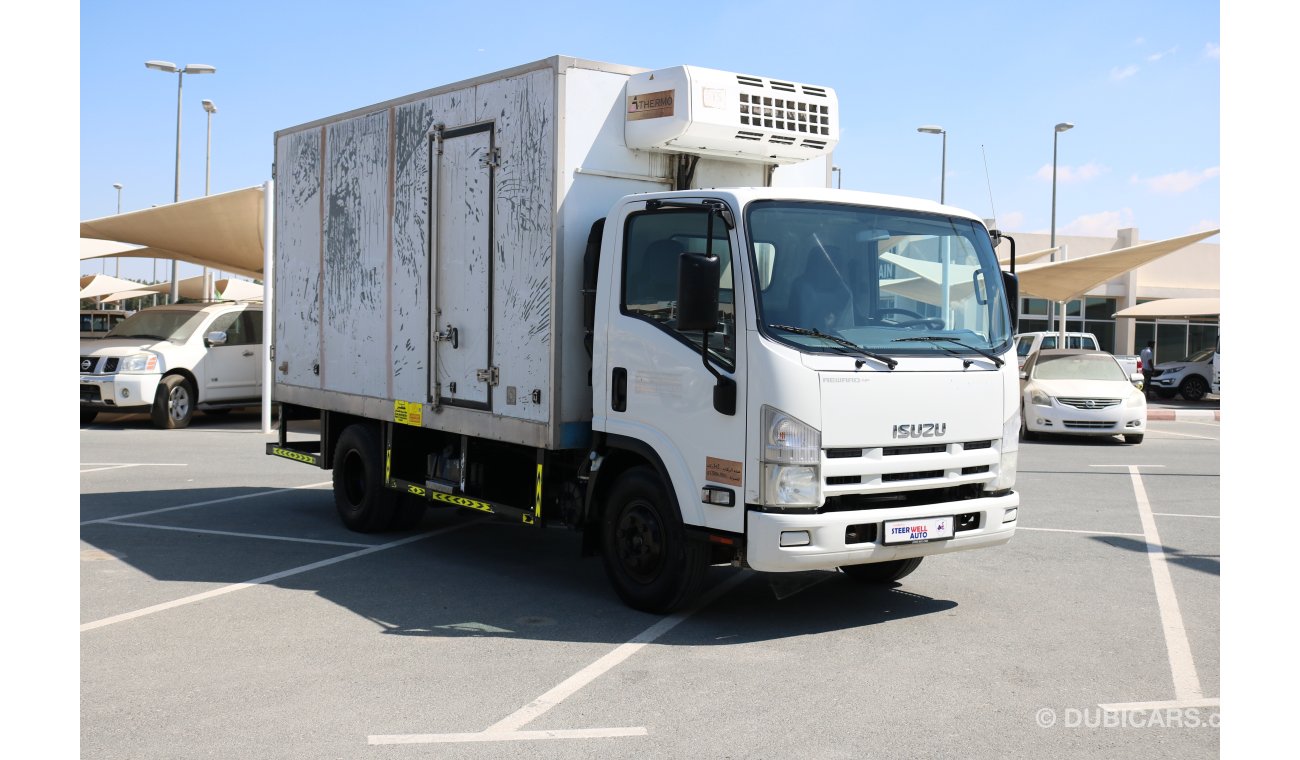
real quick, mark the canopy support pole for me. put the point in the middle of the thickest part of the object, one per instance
(268, 322)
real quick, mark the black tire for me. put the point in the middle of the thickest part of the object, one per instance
(173, 403)
(882, 572)
(88, 416)
(651, 563)
(1134, 438)
(408, 512)
(363, 503)
(1194, 388)
(1166, 393)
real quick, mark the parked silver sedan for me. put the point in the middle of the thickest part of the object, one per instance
(1078, 392)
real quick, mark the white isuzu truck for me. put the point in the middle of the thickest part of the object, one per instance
(625, 301)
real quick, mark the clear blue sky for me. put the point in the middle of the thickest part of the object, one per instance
(1139, 80)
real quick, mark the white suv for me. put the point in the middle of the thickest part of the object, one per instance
(171, 360)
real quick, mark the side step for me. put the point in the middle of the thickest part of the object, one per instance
(298, 451)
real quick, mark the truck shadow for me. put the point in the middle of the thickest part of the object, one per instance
(471, 576)
(1205, 563)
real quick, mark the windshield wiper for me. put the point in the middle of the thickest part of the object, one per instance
(891, 363)
(935, 338)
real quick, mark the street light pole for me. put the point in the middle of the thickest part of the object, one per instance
(207, 185)
(839, 175)
(180, 72)
(931, 129)
(117, 260)
(1064, 126)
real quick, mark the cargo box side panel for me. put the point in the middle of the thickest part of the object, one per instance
(355, 359)
(411, 272)
(523, 109)
(297, 258)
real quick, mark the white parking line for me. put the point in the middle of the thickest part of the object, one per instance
(102, 466)
(507, 729)
(1085, 532)
(1174, 514)
(208, 502)
(237, 535)
(265, 579)
(1187, 435)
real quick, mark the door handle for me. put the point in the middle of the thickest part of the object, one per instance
(618, 390)
(248, 353)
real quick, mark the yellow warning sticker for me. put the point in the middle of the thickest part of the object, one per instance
(408, 413)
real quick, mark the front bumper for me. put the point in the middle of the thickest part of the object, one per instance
(121, 392)
(1112, 420)
(829, 547)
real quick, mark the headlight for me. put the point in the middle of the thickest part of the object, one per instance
(788, 440)
(791, 485)
(1038, 398)
(139, 363)
(1006, 472)
(792, 455)
(1137, 399)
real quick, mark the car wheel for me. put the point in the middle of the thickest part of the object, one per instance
(882, 572)
(651, 563)
(1134, 438)
(1194, 388)
(362, 501)
(88, 416)
(173, 403)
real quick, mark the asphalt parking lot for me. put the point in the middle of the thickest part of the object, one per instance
(227, 613)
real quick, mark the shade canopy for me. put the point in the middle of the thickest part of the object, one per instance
(99, 285)
(1026, 258)
(1172, 308)
(1067, 280)
(221, 231)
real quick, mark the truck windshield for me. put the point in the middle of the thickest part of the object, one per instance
(877, 277)
(163, 324)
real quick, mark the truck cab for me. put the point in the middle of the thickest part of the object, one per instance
(853, 402)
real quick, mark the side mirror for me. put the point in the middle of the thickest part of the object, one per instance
(697, 292)
(1024, 375)
(216, 338)
(1136, 378)
(1011, 284)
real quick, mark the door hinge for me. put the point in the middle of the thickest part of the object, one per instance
(491, 375)
(491, 159)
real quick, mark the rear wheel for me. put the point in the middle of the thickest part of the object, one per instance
(1194, 388)
(173, 403)
(362, 501)
(882, 572)
(651, 563)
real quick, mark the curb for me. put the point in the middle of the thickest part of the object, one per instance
(1183, 415)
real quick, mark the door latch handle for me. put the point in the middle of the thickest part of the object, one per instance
(449, 334)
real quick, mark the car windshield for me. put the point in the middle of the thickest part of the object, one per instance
(1078, 367)
(162, 324)
(1204, 355)
(886, 280)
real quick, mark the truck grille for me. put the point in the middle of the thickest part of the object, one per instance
(1088, 403)
(88, 365)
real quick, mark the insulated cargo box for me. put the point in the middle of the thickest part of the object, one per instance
(429, 249)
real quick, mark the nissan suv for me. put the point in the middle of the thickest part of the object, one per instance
(171, 360)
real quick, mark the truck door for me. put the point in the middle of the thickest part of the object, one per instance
(656, 388)
(231, 371)
(463, 164)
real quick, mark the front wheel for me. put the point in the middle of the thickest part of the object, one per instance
(88, 416)
(882, 572)
(173, 403)
(1194, 388)
(647, 555)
